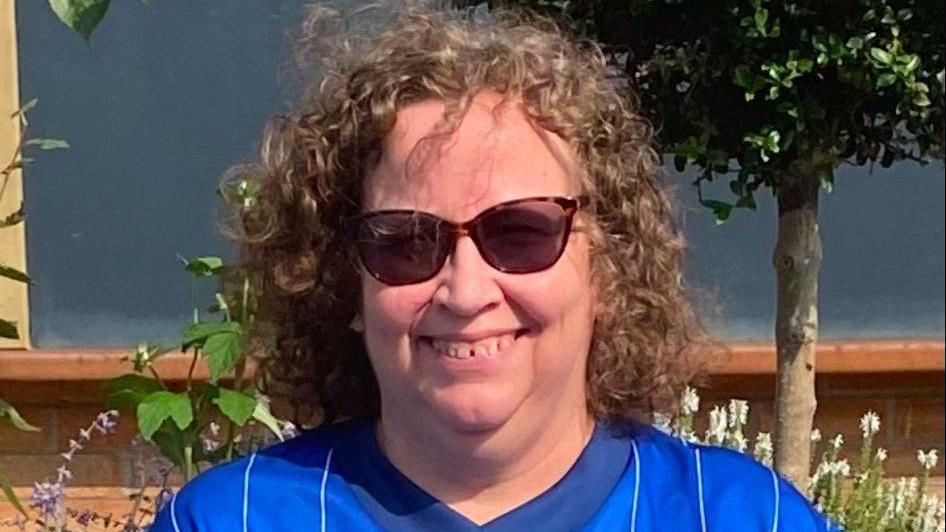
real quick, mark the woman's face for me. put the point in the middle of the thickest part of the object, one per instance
(528, 334)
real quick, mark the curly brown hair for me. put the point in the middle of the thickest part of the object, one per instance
(310, 180)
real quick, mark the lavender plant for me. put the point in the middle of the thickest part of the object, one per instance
(48, 498)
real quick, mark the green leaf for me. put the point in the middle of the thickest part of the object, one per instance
(761, 17)
(159, 406)
(746, 202)
(204, 266)
(721, 210)
(886, 80)
(82, 16)
(827, 182)
(881, 56)
(774, 92)
(7, 488)
(7, 410)
(742, 77)
(8, 329)
(129, 390)
(171, 441)
(26, 107)
(48, 144)
(237, 406)
(198, 333)
(921, 100)
(145, 355)
(912, 63)
(19, 163)
(132, 381)
(855, 43)
(223, 351)
(262, 414)
(13, 273)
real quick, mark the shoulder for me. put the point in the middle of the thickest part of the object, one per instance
(731, 491)
(736, 487)
(218, 498)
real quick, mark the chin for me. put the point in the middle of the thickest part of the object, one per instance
(474, 410)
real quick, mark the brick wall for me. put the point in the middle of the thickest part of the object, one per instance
(910, 403)
(911, 407)
(61, 409)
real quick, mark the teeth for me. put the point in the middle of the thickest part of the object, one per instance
(488, 347)
(504, 341)
(493, 349)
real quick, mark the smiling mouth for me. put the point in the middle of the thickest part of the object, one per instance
(489, 347)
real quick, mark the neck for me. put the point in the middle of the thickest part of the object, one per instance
(483, 475)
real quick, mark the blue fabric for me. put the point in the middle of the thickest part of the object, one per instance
(625, 475)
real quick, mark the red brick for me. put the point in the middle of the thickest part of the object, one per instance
(920, 420)
(842, 415)
(87, 469)
(13, 439)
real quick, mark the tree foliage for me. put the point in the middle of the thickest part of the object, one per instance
(785, 89)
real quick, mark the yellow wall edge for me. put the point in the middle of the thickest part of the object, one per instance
(14, 305)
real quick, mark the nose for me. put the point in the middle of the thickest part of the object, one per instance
(467, 286)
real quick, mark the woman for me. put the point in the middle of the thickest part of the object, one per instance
(474, 281)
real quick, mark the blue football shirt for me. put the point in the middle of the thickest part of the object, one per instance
(627, 478)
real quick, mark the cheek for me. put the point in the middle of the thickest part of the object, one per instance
(558, 297)
(389, 312)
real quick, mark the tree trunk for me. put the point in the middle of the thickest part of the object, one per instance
(797, 261)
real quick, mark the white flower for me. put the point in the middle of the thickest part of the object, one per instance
(716, 433)
(816, 435)
(927, 459)
(870, 424)
(927, 517)
(209, 444)
(763, 448)
(881, 454)
(738, 412)
(683, 86)
(738, 442)
(837, 442)
(841, 467)
(691, 401)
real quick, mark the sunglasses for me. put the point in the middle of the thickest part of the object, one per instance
(399, 247)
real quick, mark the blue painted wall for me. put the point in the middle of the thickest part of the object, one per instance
(168, 96)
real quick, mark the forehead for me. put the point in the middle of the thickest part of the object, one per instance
(495, 155)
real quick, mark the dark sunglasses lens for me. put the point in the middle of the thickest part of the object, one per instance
(524, 238)
(402, 248)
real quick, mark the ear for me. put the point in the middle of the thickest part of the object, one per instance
(357, 324)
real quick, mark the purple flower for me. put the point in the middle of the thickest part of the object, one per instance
(84, 517)
(160, 468)
(47, 498)
(106, 422)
